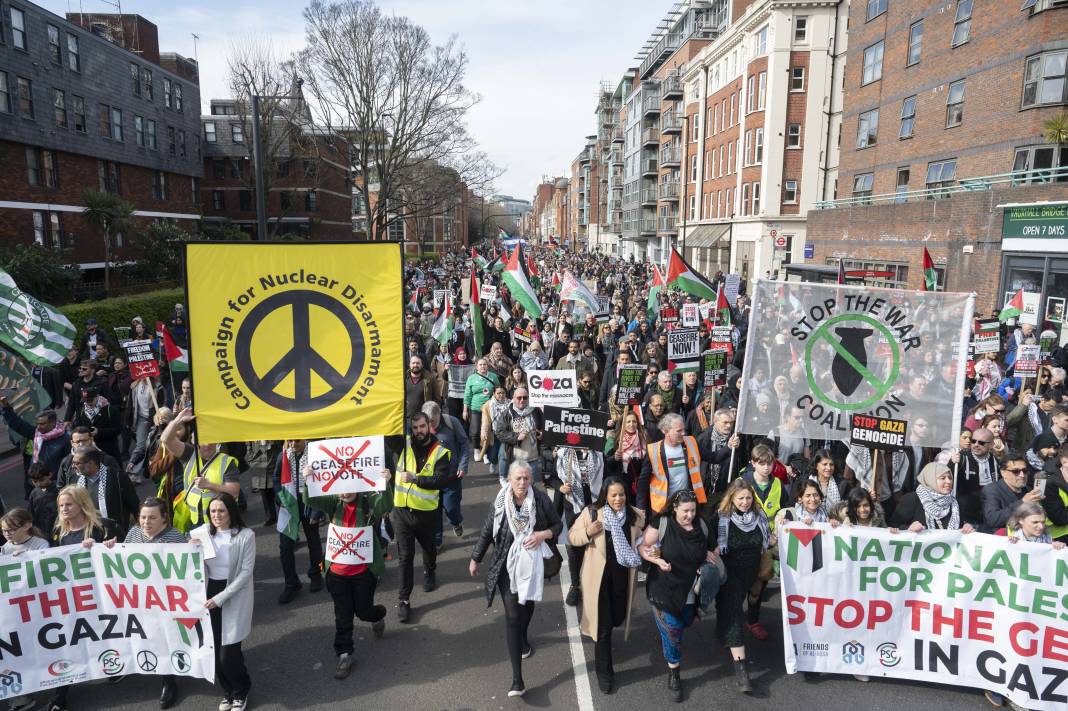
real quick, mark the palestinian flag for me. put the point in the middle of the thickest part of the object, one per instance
(652, 307)
(442, 329)
(288, 512)
(930, 277)
(515, 278)
(841, 272)
(722, 315)
(176, 356)
(682, 276)
(1014, 308)
(556, 280)
(571, 289)
(476, 317)
(413, 303)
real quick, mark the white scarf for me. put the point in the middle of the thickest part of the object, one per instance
(526, 568)
(101, 488)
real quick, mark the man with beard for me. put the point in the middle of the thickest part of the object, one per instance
(519, 427)
(418, 386)
(422, 470)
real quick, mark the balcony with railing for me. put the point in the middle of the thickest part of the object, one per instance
(649, 166)
(1014, 179)
(670, 123)
(616, 227)
(671, 87)
(669, 158)
(669, 223)
(615, 157)
(651, 104)
(648, 225)
(649, 196)
(651, 136)
(617, 135)
(668, 191)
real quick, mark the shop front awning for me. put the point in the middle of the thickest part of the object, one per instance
(706, 236)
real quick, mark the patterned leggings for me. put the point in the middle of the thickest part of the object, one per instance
(671, 629)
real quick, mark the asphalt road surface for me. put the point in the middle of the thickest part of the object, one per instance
(453, 655)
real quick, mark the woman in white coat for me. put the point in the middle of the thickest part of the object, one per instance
(230, 596)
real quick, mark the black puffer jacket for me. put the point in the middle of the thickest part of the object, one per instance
(545, 518)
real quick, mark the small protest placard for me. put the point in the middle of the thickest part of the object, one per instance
(1027, 358)
(684, 348)
(731, 287)
(714, 366)
(350, 546)
(458, 379)
(488, 293)
(553, 387)
(142, 361)
(570, 427)
(346, 465)
(439, 298)
(669, 314)
(629, 383)
(691, 315)
(877, 432)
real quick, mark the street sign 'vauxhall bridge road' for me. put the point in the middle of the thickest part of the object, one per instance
(296, 340)
(860, 349)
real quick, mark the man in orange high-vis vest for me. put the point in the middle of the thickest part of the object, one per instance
(674, 464)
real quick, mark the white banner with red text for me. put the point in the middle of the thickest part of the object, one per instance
(72, 615)
(975, 611)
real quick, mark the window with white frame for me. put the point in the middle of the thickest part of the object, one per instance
(745, 200)
(862, 185)
(750, 94)
(908, 117)
(789, 192)
(237, 133)
(209, 132)
(18, 29)
(756, 198)
(793, 135)
(868, 128)
(74, 57)
(758, 145)
(962, 23)
(797, 78)
(875, 8)
(915, 43)
(955, 104)
(941, 175)
(730, 157)
(800, 29)
(762, 91)
(1045, 79)
(748, 148)
(1040, 161)
(873, 63)
(692, 214)
(693, 169)
(695, 127)
(760, 42)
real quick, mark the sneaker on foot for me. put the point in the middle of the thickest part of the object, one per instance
(430, 581)
(458, 529)
(240, 704)
(226, 704)
(344, 666)
(478, 455)
(518, 689)
(574, 596)
(529, 651)
(995, 699)
(379, 628)
(404, 611)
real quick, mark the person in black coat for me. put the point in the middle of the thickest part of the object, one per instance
(932, 505)
(51, 441)
(514, 508)
(102, 418)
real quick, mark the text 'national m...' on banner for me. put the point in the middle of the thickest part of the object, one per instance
(74, 615)
(974, 610)
(296, 341)
(855, 350)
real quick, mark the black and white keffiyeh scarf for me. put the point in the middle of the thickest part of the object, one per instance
(937, 506)
(745, 522)
(101, 488)
(614, 523)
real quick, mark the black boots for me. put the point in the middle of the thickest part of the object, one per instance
(674, 684)
(741, 676)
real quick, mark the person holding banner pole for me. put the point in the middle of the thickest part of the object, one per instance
(294, 456)
(230, 590)
(352, 585)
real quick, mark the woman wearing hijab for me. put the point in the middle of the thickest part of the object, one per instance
(742, 535)
(932, 505)
(521, 523)
(607, 531)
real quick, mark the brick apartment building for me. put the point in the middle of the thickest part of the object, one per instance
(89, 101)
(306, 175)
(720, 141)
(944, 128)
(441, 228)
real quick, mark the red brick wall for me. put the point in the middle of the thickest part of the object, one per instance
(793, 158)
(720, 140)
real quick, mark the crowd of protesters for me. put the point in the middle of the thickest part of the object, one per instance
(678, 499)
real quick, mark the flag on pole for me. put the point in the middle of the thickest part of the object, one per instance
(176, 356)
(442, 329)
(515, 278)
(413, 303)
(652, 306)
(33, 329)
(930, 276)
(289, 513)
(556, 281)
(476, 316)
(571, 289)
(723, 309)
(681, 275)
(1014, 308)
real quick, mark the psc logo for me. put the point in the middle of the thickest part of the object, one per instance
(888, 655)
(111, 662)
(565, 382)
(853, 652)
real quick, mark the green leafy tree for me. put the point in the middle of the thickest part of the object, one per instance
(109, 214)
(40, 271)
(1055, 129)
(157, 252)
(224, 232)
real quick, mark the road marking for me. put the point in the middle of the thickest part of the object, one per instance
(583, 693)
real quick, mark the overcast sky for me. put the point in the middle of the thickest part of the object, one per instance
(537, 63)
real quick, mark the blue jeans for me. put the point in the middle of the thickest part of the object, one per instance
(451, 496)
(671, 629)
(493, 454)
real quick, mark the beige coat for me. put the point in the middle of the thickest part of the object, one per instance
(593, 568)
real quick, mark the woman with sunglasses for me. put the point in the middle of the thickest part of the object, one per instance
(993, 405)
(676, 549)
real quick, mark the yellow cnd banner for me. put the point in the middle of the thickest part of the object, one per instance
(295, 340)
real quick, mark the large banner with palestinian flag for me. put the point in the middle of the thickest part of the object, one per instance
(834, 351)
(974, 611)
